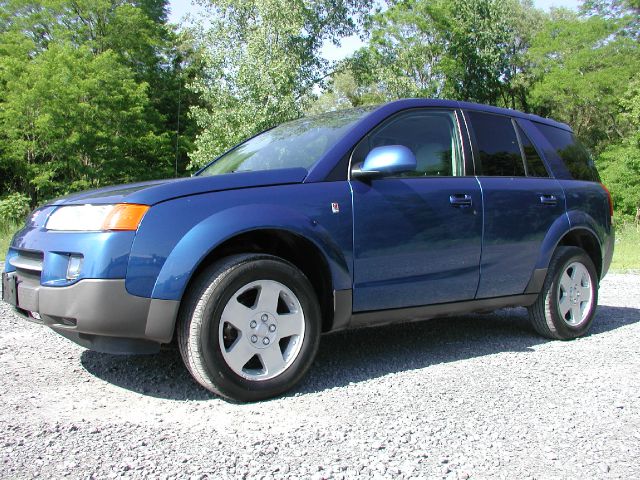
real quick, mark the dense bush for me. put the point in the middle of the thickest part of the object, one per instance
(14, 208)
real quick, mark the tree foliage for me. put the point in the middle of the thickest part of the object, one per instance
(582, 67)
(404, 55)
(462, 49)
(620, 162)
(262, 63)
(343, 91)
(87, 94)
(14, 208)
(80, 117)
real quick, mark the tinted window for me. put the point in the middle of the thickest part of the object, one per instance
(497, 145)
(573, 154)
(535, 165)
(430, 135)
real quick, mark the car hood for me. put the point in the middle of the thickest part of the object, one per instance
(150, 193)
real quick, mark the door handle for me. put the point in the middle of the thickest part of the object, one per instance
(548, 200)
(460, 200)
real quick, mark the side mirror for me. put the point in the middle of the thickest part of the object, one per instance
(386, 160)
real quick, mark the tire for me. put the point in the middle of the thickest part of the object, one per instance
(249, 327)
(562, 311)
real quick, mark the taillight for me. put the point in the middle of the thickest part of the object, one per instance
(610, 199)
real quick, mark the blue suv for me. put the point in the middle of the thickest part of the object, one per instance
(405, 211)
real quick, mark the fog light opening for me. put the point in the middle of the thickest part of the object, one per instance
(75, 267)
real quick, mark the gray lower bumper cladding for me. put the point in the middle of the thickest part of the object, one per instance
(98, 314)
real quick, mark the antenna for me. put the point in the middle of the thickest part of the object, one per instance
(178, 125)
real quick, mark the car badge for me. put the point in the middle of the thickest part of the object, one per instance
(335, 207)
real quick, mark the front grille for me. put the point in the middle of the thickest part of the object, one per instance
(28, 264)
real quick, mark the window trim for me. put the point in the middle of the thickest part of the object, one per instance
(470, 159)
(518, 128)
(521, 146)
(461, 138)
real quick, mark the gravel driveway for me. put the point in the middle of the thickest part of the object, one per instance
(477, 396)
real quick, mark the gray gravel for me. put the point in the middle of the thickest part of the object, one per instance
(477, 396)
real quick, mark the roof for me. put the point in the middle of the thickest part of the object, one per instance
(431, 102)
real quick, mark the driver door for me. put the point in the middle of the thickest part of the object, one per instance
(417, 235)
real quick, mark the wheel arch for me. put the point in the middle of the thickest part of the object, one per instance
(563, 233)
(587, 240)
(290, 246)
(579, 236)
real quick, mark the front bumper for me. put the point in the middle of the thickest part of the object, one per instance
(98, 314)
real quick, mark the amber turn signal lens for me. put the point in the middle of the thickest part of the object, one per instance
(125, 217)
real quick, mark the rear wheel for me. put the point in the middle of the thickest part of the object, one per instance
(250, 327)
(567, 303)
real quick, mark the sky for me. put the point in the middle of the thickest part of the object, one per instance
(179, 8)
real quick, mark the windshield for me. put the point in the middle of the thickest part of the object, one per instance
(300, 143)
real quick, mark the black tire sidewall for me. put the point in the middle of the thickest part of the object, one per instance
(564, 330)
(226, 380)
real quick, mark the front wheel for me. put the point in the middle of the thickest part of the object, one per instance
(250, 327)
(566, 306)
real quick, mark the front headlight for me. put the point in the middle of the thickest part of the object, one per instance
(94, 218)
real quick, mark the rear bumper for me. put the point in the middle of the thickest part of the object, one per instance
(608, 248)
(98, 314)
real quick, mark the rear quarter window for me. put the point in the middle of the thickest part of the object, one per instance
(535, 165)
(575, 157)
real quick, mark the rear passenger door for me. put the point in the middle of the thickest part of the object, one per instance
(417, 235)
(521, 202)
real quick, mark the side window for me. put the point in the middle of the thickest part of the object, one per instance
(497, 145)
(535, 165)
(432, 136)
(573, 154)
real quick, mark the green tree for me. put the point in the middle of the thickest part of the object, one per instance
(620, 163)
(73, 120)
(405, 51)
(582, 67)
(262, 64)
(478, 34)
(343, 91)
(122, 71)
(469, 50)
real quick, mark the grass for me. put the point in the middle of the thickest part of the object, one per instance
(626, 255)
